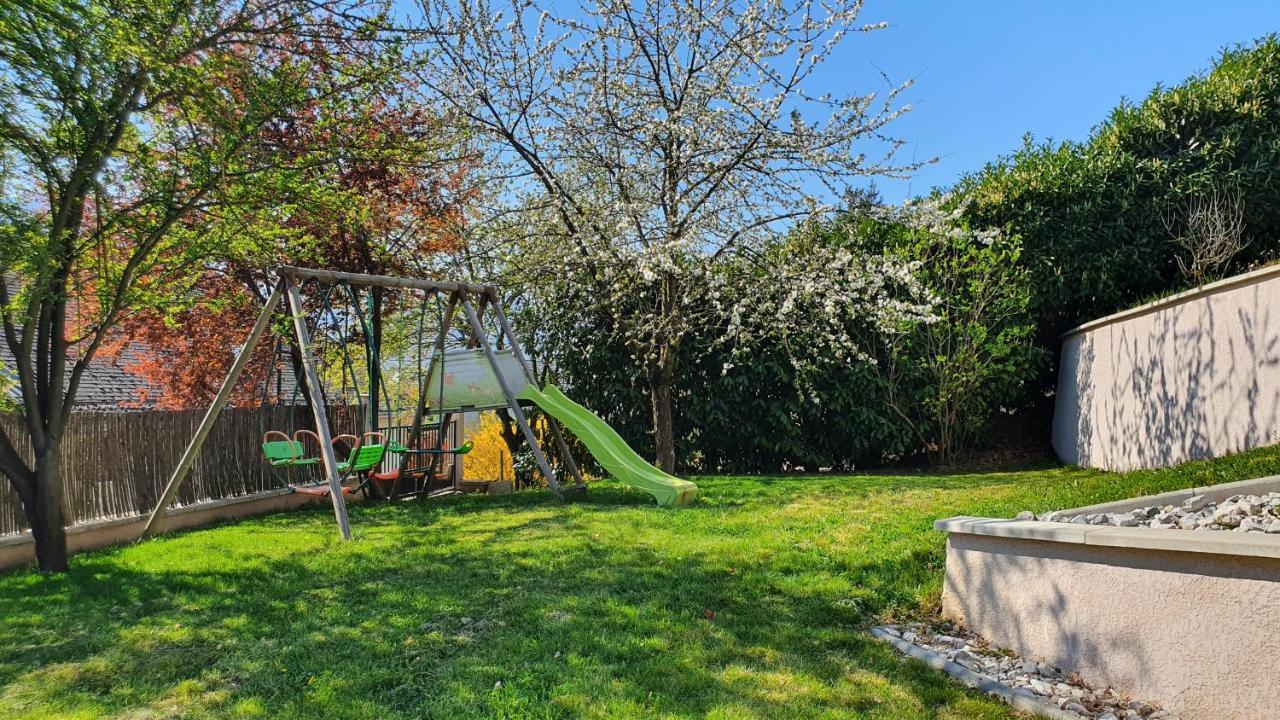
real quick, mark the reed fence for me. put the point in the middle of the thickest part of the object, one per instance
(116, 464)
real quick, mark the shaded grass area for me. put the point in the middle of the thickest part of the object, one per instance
(750, 604)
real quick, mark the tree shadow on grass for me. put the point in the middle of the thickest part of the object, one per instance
(716, 492)
(520, 606)
(470, 608)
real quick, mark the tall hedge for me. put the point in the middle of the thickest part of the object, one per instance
(769, 407)
(1088, 222)
(762, 416)
(1091, 214)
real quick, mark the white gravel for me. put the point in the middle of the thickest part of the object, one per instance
(1238, 513)
(1035, 680)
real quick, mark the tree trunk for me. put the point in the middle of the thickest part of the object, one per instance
(45, 514)
(659, 374)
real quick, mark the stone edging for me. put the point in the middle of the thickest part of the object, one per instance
(1215, 493)
(18, 550)
(24, 537)
(972, 679)
(1217, 543)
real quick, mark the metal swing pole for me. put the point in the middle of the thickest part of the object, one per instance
(372, 354)
(477, 330)
(415, 430)
(318, 409)
(439, 360)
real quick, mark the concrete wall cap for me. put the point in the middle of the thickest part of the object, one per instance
(1215, 542)
(1230, 283)
(1216, 493)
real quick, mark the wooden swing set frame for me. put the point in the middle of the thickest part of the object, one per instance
(474, 300)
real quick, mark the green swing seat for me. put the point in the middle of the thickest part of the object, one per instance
(285, 453)
(363, 458)
(289, 453)
(362, 461)
(463, 449)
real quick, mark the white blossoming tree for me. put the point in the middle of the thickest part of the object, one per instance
(642, 145)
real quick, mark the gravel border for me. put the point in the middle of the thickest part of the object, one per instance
(974, 680)
(1035, 687)
(1252, 513)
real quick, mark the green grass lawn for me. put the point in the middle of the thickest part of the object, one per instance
(750, 604)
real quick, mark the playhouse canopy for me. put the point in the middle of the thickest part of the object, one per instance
(470, 383)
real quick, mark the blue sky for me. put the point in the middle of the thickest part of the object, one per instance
(988, 72)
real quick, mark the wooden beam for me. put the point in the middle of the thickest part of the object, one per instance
(513, 402)
(514, 344)
(420, 410)
(387, 281)
(180, 473)
(318, 409)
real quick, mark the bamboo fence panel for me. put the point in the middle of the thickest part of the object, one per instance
(115, 464)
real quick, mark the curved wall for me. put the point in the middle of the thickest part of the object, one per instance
(1192, 376)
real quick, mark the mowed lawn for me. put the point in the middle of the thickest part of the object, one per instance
(750, 604)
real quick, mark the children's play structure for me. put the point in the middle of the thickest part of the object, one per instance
(385, 462)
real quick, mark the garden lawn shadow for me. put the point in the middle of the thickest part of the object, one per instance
(750, 604)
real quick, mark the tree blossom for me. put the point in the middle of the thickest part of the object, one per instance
(640, 147)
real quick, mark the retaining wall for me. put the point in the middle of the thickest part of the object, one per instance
(1192, 376)
(19, 550)
(1186, 618)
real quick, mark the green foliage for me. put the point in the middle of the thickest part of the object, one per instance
(787, 397)
(1080, 230)
(143, 143)
(949, 378)
(779, 407)
(1091, 215)
(156, 139)
(770, 400)
(767, 414)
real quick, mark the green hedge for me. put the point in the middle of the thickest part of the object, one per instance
(1091, 214)
(1087, 223)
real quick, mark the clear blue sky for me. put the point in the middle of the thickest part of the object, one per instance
(988, 71)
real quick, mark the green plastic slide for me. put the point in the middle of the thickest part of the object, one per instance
(609, 449)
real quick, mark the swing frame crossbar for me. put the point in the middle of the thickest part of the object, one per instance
(474, 300)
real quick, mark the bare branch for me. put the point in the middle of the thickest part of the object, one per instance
(1209, 227)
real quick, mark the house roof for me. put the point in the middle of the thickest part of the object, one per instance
(107, 384)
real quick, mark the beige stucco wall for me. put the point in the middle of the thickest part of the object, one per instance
(1193, 376)
(1197, 632)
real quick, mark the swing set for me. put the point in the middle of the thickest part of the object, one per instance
(478, 378)
(365, 453)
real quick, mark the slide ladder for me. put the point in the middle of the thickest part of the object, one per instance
(609, 449)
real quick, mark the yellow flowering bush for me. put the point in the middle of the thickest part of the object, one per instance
(490, 459)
